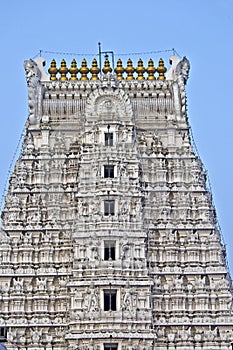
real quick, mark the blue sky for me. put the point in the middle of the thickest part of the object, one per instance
(202, 30)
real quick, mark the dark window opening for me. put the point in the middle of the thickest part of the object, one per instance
(109, 207)
(110, 346)
(109, 250)
(3, 334)
(110, 300)
(109, 171)
(108, 138)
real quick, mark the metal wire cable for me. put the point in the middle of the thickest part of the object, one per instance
(116, 54)
(16, 152)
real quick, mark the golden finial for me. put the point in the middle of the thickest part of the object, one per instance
(84, 70)
(161, 70)
(63, 70)
(73, 70)
(107, 67)
(130, 70)
(94, 70)
(151, 70)
(53, 70)
(140, 70)
(119, 70)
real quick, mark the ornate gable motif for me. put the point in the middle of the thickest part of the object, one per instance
(110, 103)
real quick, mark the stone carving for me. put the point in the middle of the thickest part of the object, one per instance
(93, 249)
(129, 300)
(18, 284)
(41, 284)
(91, 301)
(4, 238)
(135, 207)
(33, 76)
(126, 251)
(182, 69)
(116, 99)
(109, 80)
(36, 335)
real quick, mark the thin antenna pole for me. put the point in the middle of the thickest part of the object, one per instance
(113, 64)
(100, 57)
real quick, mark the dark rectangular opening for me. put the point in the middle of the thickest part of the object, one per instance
(109, 171)
(109, 250)
(3, 334)
(110, 300)
(109, 207)
(110, 346)
(108, 138)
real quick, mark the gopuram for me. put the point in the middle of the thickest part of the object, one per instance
(109, 237)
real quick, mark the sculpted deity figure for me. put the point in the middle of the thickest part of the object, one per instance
(142, 139)
(36, 335)
(18, 285)
(91, 302)
(124, 135)
(182, 69)
(33, 76)
(41, 283)
(178, 282)
(125, 250)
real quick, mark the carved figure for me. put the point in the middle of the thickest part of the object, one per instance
(18, 284)
(178, 282)
(33, 77)
(125, 250)
(36, 335)
(129, 300)
(124, 135)
(182, 69)
(92, 303)
(41, 283)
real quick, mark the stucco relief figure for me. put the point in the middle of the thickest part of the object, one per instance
(180, 73)
(129, 300)
(123, 170)
(33, 77)
(193, 236)
(124, 208)
(41, 283)
(142, 139)
(91, 303)
(157, 282)
(210, 334)
(135, 207)
(36, 335)
(4, 238)
(124, 135)
(125, 250)
(178, 282)
(200, 282)
(182, 69)
(156, 144)
(107, 107)
(185, 333)
(18, 284)
(109, 80)
(93, 250)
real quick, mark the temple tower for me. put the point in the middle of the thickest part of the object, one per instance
(109, 238)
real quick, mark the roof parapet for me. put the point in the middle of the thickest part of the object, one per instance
(85, 73)
(179, 70)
